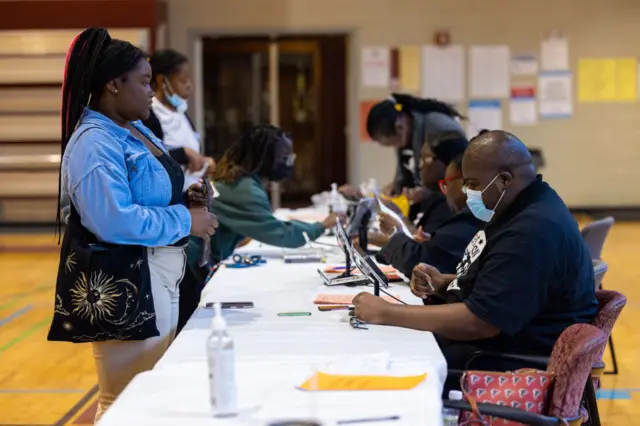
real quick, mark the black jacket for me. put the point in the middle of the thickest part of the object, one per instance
(444, 250)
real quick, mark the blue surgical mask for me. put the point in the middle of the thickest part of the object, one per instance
(476, 204)
(179, 103)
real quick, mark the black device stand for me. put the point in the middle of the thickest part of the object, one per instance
(347, 262)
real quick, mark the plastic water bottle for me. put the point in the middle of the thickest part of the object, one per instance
(222, 367)
(336, 200)
(450, 416)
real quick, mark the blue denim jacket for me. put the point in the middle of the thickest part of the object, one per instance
(119, 188)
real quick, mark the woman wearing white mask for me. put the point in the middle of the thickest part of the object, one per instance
(168, 119)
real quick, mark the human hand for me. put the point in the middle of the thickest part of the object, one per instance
(196, 194)
(330, 221)
(416, 195)
(426, 280)
(421, 236)
(211, 166)
(377, 239)
(350, 191)
(388, 223)
(196, 161)
(370, 309)
(203, 222)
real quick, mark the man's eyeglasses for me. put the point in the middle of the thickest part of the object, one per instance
(443, 183)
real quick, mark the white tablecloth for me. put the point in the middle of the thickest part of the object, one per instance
(275, 354)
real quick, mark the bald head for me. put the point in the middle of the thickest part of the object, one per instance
(498, 164)
(497, 150)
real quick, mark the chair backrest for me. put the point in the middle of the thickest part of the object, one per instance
(571, 360)
(595, 234)
(610, 304)
(600, 269)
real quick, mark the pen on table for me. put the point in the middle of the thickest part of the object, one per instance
(334, 307)
(370, 420)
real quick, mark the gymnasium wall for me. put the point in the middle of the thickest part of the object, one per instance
(592, 158)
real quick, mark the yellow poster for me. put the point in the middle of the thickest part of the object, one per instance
(626, 79)
(607, 80)
(410, 68)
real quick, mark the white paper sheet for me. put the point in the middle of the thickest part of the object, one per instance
(555, 54)
(484, 114)
(443, 73)
(376, 66)
(555, 94)
(381, 208)
(522, 111)
(489, 76)
(524, 65)
(371, 364)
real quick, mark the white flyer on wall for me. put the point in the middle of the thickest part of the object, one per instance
(524, 65)
(522, 108)
(484, 114)
(555, 53)
(489, 76)
(443, 73)
(376, 66)
(555, 93)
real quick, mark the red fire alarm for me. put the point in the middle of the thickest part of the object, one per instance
(442, 38)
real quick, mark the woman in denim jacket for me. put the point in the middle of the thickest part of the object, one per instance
(126, 191)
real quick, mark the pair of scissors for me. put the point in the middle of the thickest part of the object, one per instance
(241, 261)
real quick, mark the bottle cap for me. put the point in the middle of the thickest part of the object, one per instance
(218, 323)
(455, 395)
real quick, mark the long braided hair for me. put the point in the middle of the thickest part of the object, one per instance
(253, 153)
(382, 117)
(93, 59)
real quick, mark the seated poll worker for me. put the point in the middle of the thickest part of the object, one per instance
(264, 154)
(523, 279)
(444, 249)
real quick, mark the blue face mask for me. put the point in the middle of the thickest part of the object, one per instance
(476, 204)
(179, 103)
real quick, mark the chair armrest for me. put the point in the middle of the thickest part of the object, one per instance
(527, 361)
(507, 413)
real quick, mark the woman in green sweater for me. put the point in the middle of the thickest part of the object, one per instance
(264, 154)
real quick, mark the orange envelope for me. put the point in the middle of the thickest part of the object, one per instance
(339, 382)
(343, 299)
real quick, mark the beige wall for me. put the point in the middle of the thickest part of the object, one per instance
(592, 159)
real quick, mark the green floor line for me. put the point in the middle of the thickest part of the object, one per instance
(24, 335)
(15, 298)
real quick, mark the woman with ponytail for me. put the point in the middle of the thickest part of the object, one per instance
(406, 123)
(126, 215)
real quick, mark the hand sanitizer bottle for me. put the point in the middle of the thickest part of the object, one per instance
(450, 416)
(221, 360)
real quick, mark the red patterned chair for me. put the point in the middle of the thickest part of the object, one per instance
(571, 361)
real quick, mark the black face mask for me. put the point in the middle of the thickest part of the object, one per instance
(281, 172)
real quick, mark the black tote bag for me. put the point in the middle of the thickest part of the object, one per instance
(103, 291)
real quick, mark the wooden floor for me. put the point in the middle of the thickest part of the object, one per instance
(44, 383)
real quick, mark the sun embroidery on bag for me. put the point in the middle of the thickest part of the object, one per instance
(97, 297)
(70, 262)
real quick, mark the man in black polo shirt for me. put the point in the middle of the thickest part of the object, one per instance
(523, 279)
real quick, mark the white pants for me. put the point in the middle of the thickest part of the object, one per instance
(118, 362)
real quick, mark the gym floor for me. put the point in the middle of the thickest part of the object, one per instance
(44, 383)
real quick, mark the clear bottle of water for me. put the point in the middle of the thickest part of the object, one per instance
(450, 416)
(221, 360)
